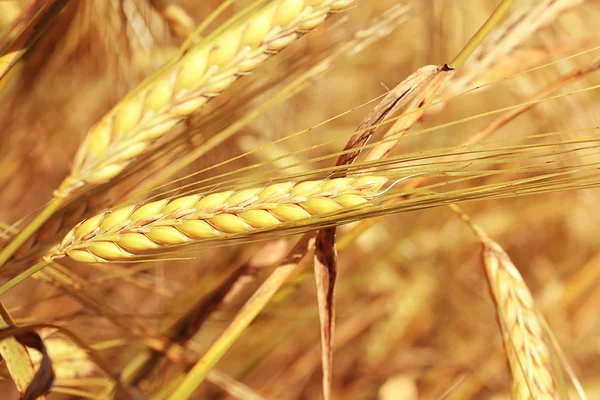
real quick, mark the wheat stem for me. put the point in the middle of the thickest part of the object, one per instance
(30, 229)
(24, 275)
(481, 34)
(242, 320)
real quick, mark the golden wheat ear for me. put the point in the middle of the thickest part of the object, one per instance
(182, 87)
(141, 229)
(527, 352)
(522, 334)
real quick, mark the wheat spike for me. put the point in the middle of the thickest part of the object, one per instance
(200, 73)
(527, 353)
(139, 229)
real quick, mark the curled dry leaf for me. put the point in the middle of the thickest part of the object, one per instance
(44, 377)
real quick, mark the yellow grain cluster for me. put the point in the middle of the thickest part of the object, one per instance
(528, 355)
(138, 229)
(183, 86)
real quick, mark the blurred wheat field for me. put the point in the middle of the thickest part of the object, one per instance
(211, 153)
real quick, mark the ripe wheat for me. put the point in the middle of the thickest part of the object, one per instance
(183, 86)
(527, 353)
(140, 229)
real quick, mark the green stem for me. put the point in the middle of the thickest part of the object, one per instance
(24, 275)
(243, 319)
(481, 34)
(29, 230)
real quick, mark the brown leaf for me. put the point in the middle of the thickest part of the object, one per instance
(325, 275)
(44, 376)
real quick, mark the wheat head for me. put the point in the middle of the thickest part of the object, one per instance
(200, 73)
(140, 229)
(527, 353)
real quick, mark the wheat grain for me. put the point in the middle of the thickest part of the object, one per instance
(139, 229)
(527, 353)
(201, 73)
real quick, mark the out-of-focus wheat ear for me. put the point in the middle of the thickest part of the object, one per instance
(26, 30)
(182, 87)
(526, 349)
(512, 33)
(179, 21)
(527, 352)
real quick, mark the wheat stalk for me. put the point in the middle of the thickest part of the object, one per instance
(139, 229)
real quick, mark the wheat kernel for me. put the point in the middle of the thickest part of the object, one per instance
(213, 200)
(107, 250)
(84, 256)
(198, 229)
(350, 200)
(136, 242)
(218, 86)
(89, 226)
(259, 218)
(149, 211)
(156, 130)
(280, 43)
(193, 66)
(128, 115)
(256, 30)
(274, 191)
(243, 196)
(180, 204)
(287, 11)
(105, 173)
(306, 189)
(225, 50)
(132, 151)
(99, 139)
(160, 95)
(252, 63)
(312, 23)
(188, 106)
(167, 235)
(116, 218)
(229, 223)
(335, 184)
(290, 212)
(317, 205)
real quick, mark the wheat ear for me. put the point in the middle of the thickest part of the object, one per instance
(138, 230)
(527, 353)
(200, 73)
